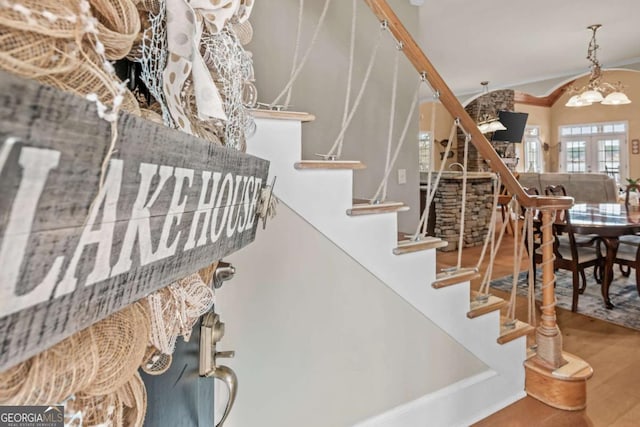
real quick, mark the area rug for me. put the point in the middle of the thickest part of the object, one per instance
(622, 292)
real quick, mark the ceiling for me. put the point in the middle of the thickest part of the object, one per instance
(512, 43)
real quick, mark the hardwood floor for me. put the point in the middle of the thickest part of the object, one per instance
(613, 393)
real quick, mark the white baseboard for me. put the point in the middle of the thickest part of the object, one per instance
(460, 404)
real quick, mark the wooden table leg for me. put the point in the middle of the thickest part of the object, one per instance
(611, 244)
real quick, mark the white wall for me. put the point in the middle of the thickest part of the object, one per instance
(322, 86)
(320, 341)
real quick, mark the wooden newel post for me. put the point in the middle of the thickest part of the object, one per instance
(551, 376)
(548, 335)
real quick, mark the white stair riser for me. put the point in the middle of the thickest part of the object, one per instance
(322, 197)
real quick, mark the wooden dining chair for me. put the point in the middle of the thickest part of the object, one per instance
(628, 254)
(613, 172)
(555, 190)
(581, 239)
(560, 190)
(572, 253)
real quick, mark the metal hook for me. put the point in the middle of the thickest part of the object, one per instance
(266, 206)
(225, 271)
(457, 164)
(328, 157)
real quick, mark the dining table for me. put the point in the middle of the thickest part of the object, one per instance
(609, 221)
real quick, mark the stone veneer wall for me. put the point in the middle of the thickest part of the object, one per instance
(491, 103)
(448, 210)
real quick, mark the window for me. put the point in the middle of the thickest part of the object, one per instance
(424, 150)
(576, 156)
(532, 149)
(609, 155)
(595, 147)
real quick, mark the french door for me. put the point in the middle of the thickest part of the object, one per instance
(598, 147)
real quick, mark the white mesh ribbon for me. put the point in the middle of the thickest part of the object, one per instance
(175, 309)
(185, 22)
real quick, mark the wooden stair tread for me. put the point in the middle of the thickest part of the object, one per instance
(282, 115)
(575, 369)
(368, 208)
(446, 278)
(329, 164)
(478, 308)
(409, 246)
(509, 334)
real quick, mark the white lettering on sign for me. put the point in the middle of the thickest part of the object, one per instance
(36, 165)
(226, 187)
(225, 204)
(139, 227)
(103, 236)
(176, 209)
(231, 224)
(204, 208)
(254, 202)
(246, 200)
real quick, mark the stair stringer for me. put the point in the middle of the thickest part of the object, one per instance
(322, 198)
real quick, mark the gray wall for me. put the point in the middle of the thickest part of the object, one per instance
(322, 86)
(319, 340)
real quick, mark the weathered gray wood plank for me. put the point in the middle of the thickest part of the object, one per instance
(70, 254)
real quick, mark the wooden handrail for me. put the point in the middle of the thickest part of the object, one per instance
(416, 56)
(548, 337)
(541, 381)
(540, 369)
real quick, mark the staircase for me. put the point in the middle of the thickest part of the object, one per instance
(320, 192)
(323, 197)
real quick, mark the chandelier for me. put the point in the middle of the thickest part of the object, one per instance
(597, 90)
(487, 122)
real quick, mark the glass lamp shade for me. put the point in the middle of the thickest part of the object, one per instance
(576, 101)
(616, 98)
(491, 126)
(484, 128)
(496, 125)
(591, 96)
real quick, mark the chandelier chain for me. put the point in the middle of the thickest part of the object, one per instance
(596, 69)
